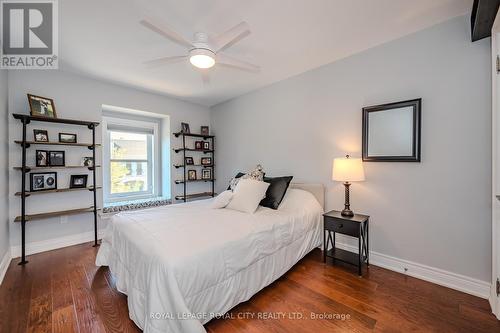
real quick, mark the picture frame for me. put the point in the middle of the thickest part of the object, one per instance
(67, 138)
(78, 181)
(198, 145)
(206, 174)
(185, 128)
(204, 130)
(392, 132)
(57, 158)
(40, 135)
(206, 145)
(41, 106)
(192, 175)
(189, 161)
(43, 181)
(42, 158)
(206, 161)
(88, 161)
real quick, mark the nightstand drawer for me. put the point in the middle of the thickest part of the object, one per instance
(342, 226)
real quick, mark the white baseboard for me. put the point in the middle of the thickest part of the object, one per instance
(4, 265)
(435, 275)
(55, 243)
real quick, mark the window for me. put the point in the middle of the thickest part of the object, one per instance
(131, 163)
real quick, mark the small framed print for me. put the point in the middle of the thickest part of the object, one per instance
(185, 128)
(67, 138)
(43, 181)
(198, 145)
(189, 161)
(42, 106)
(206, 161)
(205, 130)
(42, 158)
(88, 161)
(40, 135)
(206, 174)
(78, 181)
(56, 158)
(206, 145)
(191, 174)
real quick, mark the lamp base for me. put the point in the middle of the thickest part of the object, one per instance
(347, 212)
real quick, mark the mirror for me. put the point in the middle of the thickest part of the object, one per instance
(391, 132)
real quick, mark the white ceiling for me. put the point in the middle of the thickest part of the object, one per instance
(103, 38)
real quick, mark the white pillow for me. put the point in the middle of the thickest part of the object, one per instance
(247, 195)
(222, 200)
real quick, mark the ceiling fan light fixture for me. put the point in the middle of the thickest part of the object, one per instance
(202, 58)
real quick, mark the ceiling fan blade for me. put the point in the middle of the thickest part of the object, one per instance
(166, 32)
(225, 60)
(230, 37)
(164, 61)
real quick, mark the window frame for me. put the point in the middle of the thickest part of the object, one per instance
(154, 167)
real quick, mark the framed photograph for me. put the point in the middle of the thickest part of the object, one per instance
(67, 138)
(189, 161)
(204, 130)
(206, 145)
(191, 174)
(56, 158)
(206, 174)
(78, 181)
(42, 106)
(206, 161)
(42, 158)
(43, 181)
(185, 128)
(391, 132)
(198, 145)
(40, 135)
(88, 161)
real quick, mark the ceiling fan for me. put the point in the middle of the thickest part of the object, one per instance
(203, 52)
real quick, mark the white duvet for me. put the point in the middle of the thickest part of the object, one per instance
(181, 265)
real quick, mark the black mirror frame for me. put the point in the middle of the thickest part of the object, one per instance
(417, 115)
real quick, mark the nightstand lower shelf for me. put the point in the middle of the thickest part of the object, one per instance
(343, 255)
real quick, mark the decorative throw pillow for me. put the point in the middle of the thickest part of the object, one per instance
(222, 200)
(276, 191)
(256, 174)
(247, 195)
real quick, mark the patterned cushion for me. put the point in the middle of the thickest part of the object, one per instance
(256, 174)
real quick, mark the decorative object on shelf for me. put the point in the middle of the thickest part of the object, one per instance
(198, 145)
(189, 160)
(206, 174)
(43, 181)
(347, 169)
(40, 135)
(78, 181)
(42, 106)
(206, 161)
(42, 158)
(392, 132)
(191, 174)
(67, 138)
(206, 145)
(57, 158)
(205, 130)
(88, 161)
(185, 128)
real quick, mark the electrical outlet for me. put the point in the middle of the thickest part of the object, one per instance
(64, 219)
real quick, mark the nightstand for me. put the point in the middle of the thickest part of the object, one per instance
(354, 226)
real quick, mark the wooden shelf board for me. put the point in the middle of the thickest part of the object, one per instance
(180, 181)
(195, 135)
(194, 165)
(58, 190)
(55, 120)
(57, 143)
(56, 167)
(39, 216)
(195, 195)
(177, 150)
(343, 255)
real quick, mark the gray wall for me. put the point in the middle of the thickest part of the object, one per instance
(436, 212)
(4, 209)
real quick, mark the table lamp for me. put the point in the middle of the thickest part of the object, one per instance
(347, 169)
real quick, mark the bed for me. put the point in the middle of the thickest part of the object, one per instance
(182, 265)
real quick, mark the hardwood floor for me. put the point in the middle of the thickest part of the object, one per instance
(63, 291)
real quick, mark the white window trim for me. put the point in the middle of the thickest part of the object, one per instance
(155, 184)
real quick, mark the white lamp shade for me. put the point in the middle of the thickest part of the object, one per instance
(346, 169)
